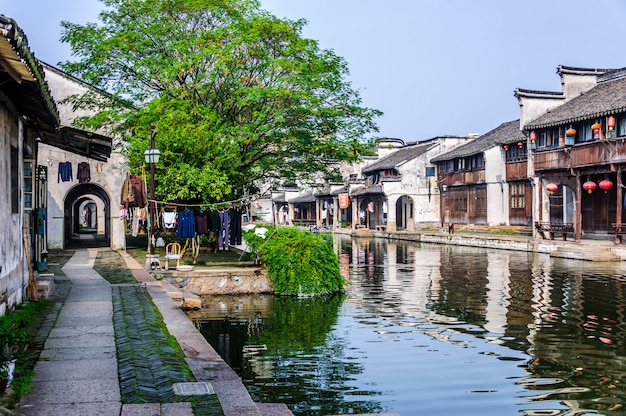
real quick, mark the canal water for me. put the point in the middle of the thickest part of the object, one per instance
(435, 330)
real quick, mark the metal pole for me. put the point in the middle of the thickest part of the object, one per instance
(151, 207)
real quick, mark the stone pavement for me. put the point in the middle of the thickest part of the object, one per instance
(79, 370)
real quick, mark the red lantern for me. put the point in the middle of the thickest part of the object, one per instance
(605, 185)
(520, 144)
(595, 126)
(611, 123)
(506, 147)
(552, 188)
(570, 132)
(533, 136)
(589, 186)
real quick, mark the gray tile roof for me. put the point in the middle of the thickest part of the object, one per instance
(508, 132)
(399, 156)
(606, 98)
(302, 199)
(370, 190)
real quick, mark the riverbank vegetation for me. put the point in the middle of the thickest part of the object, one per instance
(299, 262)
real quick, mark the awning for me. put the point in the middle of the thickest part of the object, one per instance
(80, 142)
(22, 77)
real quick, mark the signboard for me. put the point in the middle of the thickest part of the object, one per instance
(344, 201)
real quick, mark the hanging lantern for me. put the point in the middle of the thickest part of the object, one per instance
(611, 123)
(570, 132)
(520, 144)
(596, 130)
(552, 188)
(533, 136)
(506, 147)
(589, 186)
(605, 185)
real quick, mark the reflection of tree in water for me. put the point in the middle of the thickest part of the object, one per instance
(298, 360)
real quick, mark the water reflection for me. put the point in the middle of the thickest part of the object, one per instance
(431, 329)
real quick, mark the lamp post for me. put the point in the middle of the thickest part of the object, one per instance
(152, 158)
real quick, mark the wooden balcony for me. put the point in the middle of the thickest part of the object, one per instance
(464, 178)
(581, 155)
(516, 171)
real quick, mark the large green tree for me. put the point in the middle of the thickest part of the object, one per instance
(237, 95)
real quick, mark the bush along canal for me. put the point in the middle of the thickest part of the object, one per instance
(434, 329)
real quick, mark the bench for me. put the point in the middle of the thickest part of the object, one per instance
(562, 228)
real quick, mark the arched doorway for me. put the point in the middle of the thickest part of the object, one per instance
(87, 219)
(404, 213)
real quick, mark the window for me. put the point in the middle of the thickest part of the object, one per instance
(548, 138)
(517, 154)
(28, 184)
(621, 126)
(518, 197)
(583, 132)
(477, 162)
(15, 189)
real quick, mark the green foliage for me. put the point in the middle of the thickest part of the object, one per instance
(299, 262)
(14, 331)
(299, 324)
(237, 95)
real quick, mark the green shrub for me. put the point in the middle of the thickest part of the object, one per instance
(299, 262)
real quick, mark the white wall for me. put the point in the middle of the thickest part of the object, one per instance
(110, 179)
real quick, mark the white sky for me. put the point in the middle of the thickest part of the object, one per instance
(433, 67)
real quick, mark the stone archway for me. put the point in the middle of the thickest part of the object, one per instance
(80, 199)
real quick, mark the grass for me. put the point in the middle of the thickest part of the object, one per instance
(40, 315)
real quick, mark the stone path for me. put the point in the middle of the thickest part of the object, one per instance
(79, 370)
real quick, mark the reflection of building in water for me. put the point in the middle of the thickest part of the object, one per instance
(497, 292)
(463, 285)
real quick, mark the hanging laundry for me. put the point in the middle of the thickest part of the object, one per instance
(127, 197)
(65, 172)
(202, 222)
(133, 192)
(186, 224)
(169, 219)
(224, 231)
(234, 215)
(83, 173)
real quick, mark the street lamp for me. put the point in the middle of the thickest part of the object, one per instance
(152, 158)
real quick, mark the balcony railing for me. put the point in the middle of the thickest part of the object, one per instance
(599, 152)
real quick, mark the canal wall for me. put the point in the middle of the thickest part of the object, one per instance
(589, 250)
(201, 282)
(222, 281)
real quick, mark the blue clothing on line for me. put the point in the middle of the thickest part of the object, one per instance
(65, 172)
(186, 224)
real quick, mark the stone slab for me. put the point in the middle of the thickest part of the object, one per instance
(91, 340)
(72, 409)
(143, 409)
(176, 409)
(82, 320)
(77, 331)
(72, 392)
(200, 388)
(75, 370)
(78, 353)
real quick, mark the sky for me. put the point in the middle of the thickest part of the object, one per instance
(433, 67)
